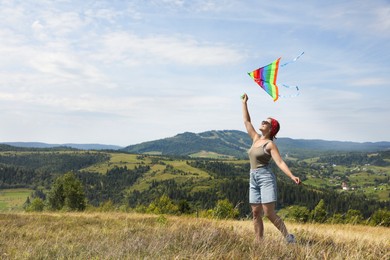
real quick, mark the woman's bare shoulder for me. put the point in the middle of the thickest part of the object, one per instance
(256, 137)
(272, 146)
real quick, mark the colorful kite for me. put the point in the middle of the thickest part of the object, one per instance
(266, 78)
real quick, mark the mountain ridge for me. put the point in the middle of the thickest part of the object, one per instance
(232, 143)
(236, 143)
(70, 145)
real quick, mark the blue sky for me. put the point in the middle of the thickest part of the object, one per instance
(125, 72)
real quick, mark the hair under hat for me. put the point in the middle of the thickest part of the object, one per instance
(275, 127)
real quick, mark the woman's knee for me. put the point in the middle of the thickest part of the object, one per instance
(257, 212)
(271, 215)
(269, 211)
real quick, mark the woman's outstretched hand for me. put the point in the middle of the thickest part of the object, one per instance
(296, 179)
(244, 98)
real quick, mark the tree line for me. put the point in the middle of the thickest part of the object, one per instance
(34, 169)
(67, 193)
(350, 159)
(227, 181)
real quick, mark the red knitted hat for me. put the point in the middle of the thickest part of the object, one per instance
(274, 127)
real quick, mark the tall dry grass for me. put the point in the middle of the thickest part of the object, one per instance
(137, 236)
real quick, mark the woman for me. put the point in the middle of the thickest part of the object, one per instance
(262, 185)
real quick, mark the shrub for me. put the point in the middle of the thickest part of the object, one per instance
(298, 213)
(163, 205)
(107, 206)
(36, 205)
(140, 208)
(225, 210)
(337, 218)
(380, 217)
(184, 207)
(353, 216)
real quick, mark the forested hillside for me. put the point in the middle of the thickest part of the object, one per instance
(195, 184)
(230, 143)
(39, 168)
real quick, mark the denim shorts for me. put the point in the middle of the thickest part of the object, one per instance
(262, 186)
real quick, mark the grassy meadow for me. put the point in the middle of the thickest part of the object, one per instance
(114, 235)
(13, 199)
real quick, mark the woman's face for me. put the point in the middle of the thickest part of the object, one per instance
(265, 125)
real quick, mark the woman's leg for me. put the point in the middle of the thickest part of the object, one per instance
(269, 212)
(257, 211)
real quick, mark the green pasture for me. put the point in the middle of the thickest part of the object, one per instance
(311, 160)
(364, 178)
(381, 192)
(340, 169)
(200, 188)
(212, 155)
(238, 161)
(153, 153)
(117, 160)
(381, 170)
(318, 182)
(373, 185)
(13, 199)
(158, 172)
(183, 166)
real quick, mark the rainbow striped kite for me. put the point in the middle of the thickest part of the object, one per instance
(266, 78)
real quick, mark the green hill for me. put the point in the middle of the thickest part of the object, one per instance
(236, 143)
(227, 142)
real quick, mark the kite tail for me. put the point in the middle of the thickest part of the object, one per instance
(292, 60)
(295, 95)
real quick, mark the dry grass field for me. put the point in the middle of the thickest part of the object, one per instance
(136, 236)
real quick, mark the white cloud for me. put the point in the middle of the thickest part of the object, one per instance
(166, 49)
(381, 24)
(370, 82)
(151, 69)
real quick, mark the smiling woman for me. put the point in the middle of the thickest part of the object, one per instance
(262, 181)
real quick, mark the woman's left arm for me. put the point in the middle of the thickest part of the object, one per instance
(281, 164)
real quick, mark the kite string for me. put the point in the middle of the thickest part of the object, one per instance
(286, 86)
(296, 58)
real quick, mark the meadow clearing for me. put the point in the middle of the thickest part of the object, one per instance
(13, 199)
(114, 235)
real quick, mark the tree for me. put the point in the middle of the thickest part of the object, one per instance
(298, 213)
(353, 216)
(56, 196)
(224, 210)
(184, 207)
(163, 205)
(27, 203)
(318, 214)
(67, 193)
(337, 218)
(380, 217)
(36, 205)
